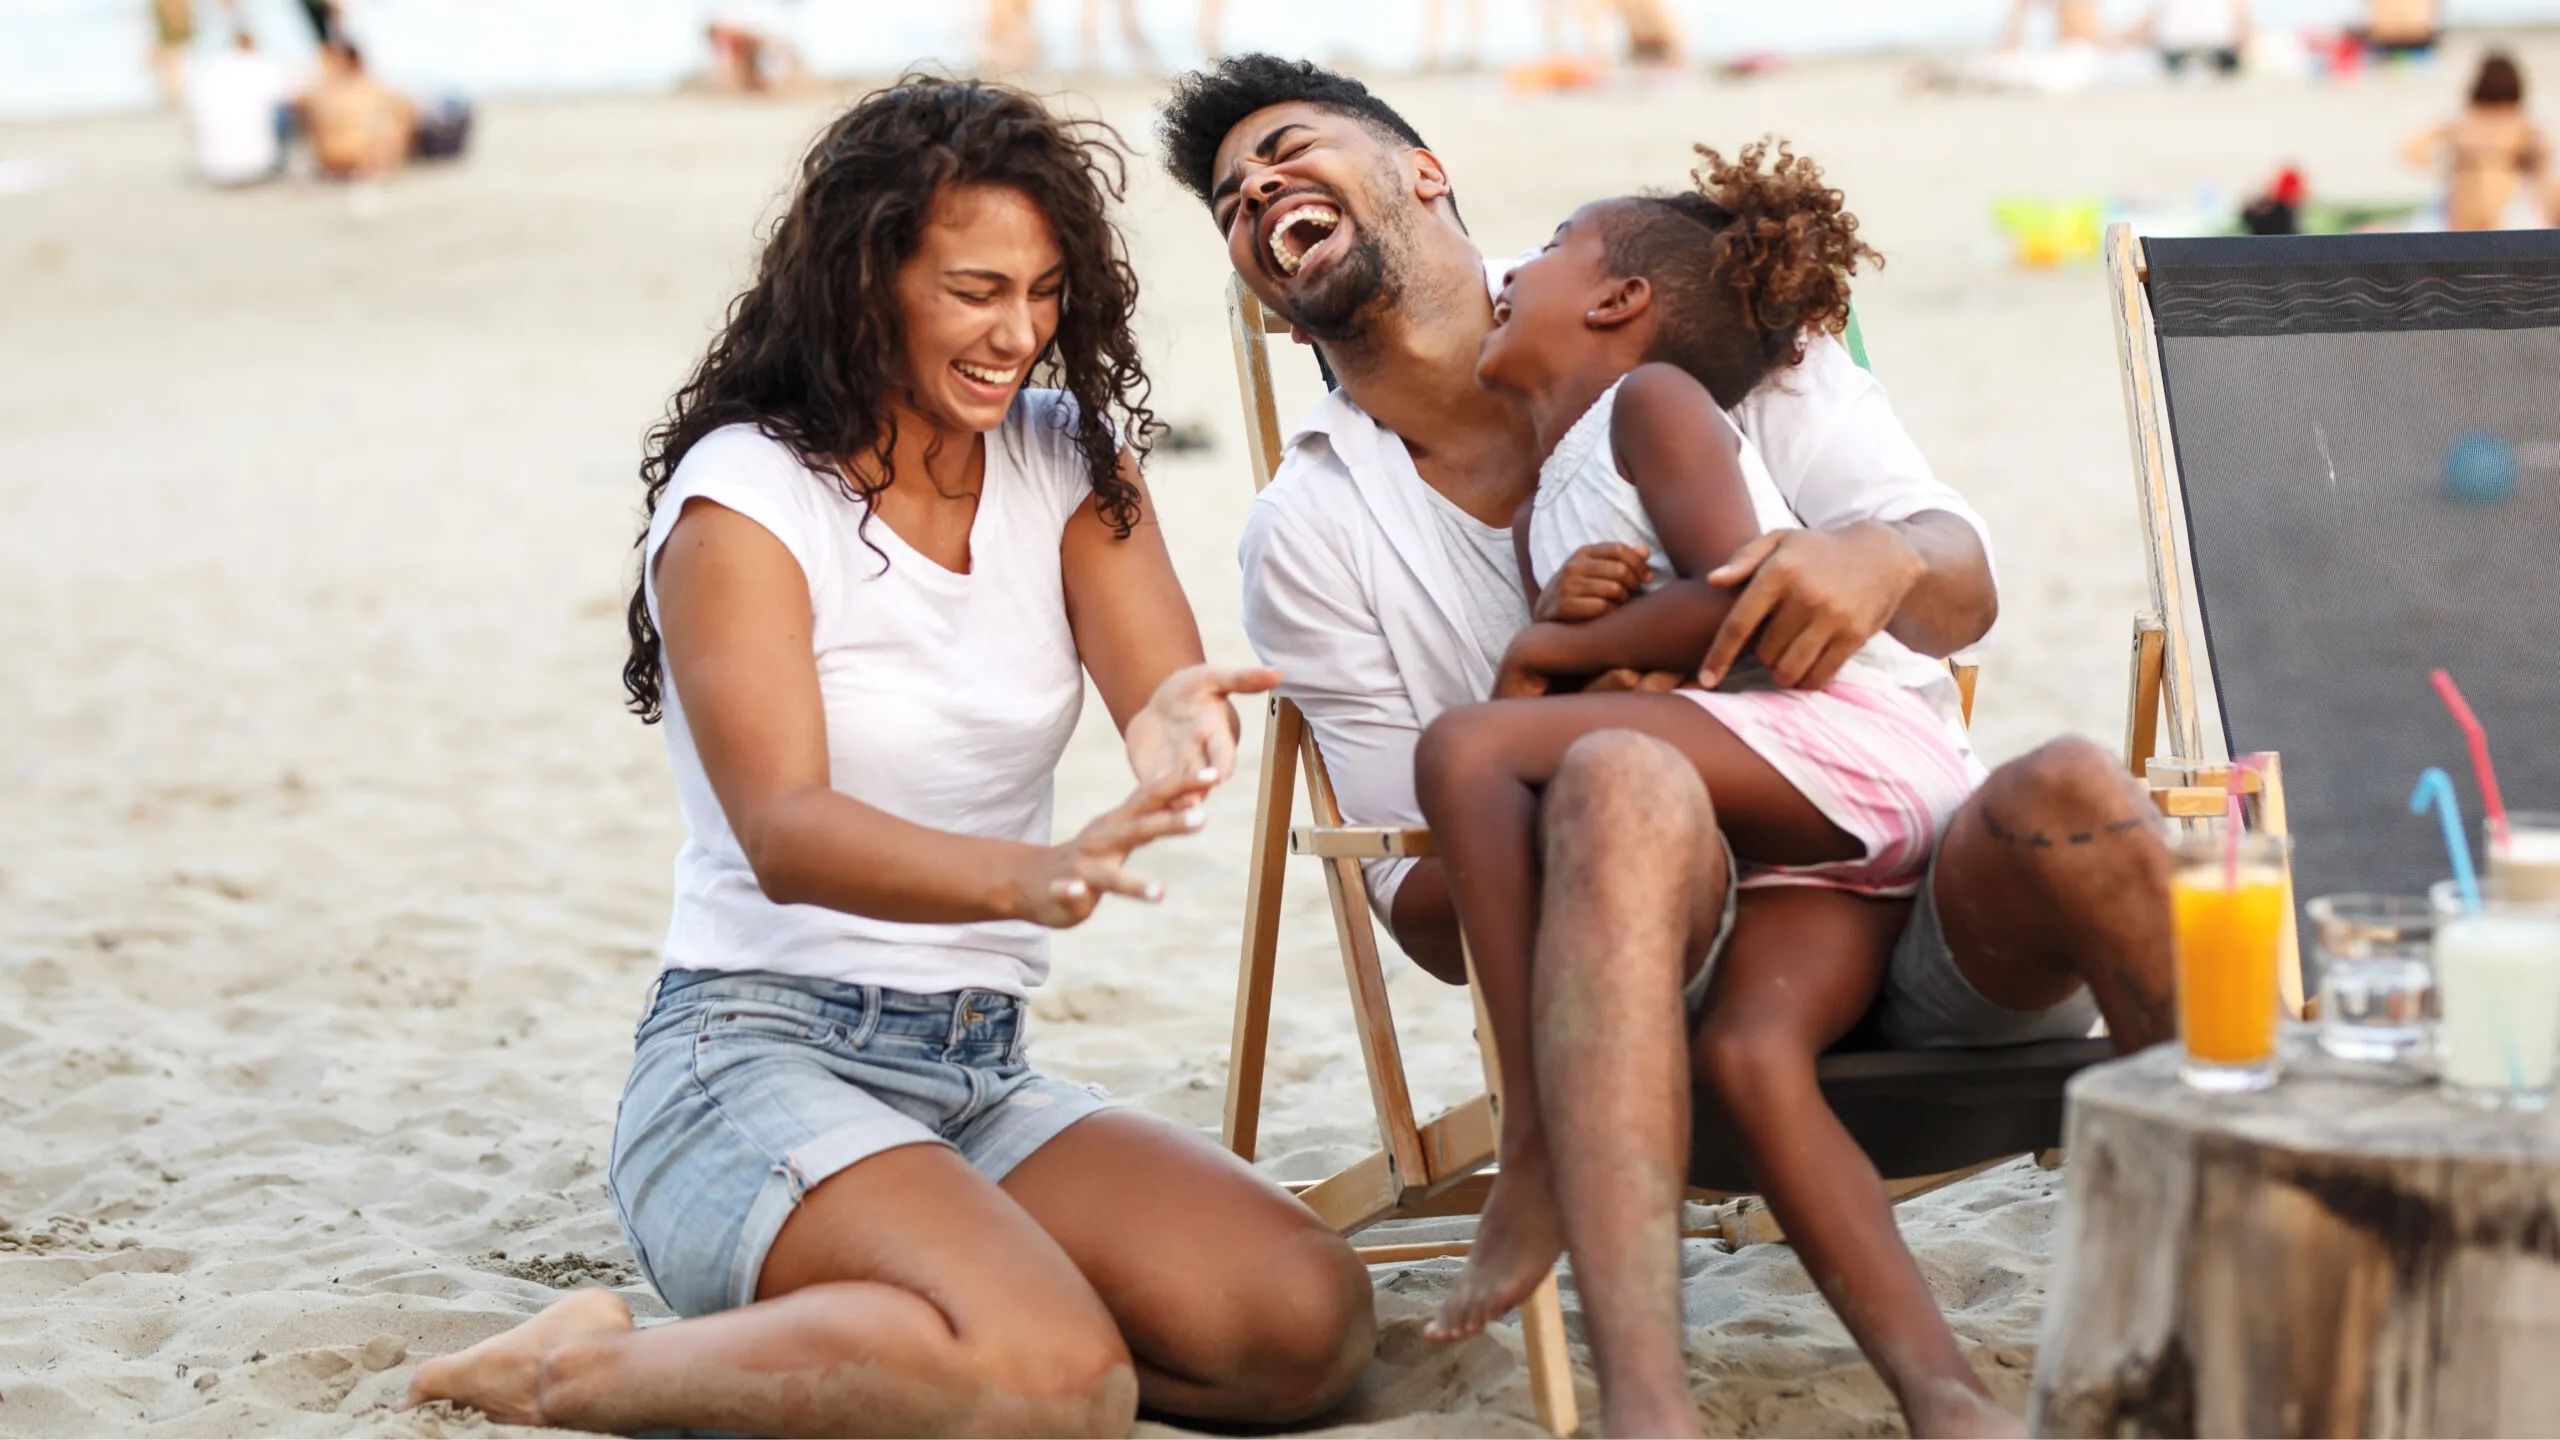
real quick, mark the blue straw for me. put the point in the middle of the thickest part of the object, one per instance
(2437, 786)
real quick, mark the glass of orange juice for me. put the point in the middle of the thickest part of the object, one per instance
(2229, 912)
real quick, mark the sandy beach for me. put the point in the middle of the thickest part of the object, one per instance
(332, 874)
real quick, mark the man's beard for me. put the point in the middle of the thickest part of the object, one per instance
(1368, 278)
(1334, 310)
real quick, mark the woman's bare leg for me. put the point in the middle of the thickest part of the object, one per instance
(907, 1295)
(1236, 1301)
(1479, 771)
(1802, 966)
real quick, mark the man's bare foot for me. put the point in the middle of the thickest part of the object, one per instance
(1953, 1408)
(502, 1375)
(1516, 1245)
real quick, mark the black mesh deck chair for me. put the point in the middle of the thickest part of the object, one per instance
(2348, 453)
(1927, 1118)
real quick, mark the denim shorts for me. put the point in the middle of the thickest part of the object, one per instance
(747, 1089)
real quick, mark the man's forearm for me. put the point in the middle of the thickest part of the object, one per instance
(1954, 601)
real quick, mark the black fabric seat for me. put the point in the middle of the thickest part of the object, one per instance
(1922, 1112)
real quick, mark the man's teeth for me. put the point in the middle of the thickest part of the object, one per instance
(982, 374)
(1323, 217)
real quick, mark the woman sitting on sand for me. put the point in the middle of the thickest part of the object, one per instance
(2492, 154)
(877, 573)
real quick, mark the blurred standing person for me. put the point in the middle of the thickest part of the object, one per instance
(1652, 40)
(1434, 22)
(1212, 12)
(2075, 22)
(360, 129)
(1133, 35)
(1012, 44)
(173, 29)
(2211, 31)
(2493, 155)
(235, 104)
(2401, 27)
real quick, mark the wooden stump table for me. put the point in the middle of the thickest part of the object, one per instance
(2346, 1254)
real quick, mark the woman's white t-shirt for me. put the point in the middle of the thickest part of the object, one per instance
(948, 699)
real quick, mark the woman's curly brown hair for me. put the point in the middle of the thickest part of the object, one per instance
(1778, 254)
(813, 351)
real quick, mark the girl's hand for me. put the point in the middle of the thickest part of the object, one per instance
(1064, 882)
(1523, 675)
(1593, 581)
(1189, 727)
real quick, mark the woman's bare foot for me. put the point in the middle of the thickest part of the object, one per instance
(502, 1375)
(1516, 1245)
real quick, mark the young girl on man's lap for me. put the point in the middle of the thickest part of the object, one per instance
(1627, 338)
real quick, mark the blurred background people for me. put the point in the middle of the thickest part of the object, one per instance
(360, 129)
(1013, 45)
(1470, 52)
(2206, 32)
(1133, 36)
(753, 52)
(236, 102)
(2492, 155)
(173, 29)
(2401, 27)
(2075, 22)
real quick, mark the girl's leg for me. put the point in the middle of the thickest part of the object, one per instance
(1801, 967)
(906, 1295)
(1237, 1302)
(1479, 771)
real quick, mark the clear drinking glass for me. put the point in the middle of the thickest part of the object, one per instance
(2376, 957)
(2498, 993)
(2529, 862)
(2229, 914)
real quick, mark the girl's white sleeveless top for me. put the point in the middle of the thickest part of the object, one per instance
(1583, 500)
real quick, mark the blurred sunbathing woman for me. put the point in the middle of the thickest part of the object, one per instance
(878, 570)
(2493, 155)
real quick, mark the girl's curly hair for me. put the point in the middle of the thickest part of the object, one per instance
(813, 351)
(1777, 255)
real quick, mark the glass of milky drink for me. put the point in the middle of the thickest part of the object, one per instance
(2377, 970)
(2498, 993)
(2527, 862)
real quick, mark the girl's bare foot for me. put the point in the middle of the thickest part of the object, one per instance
(1516, 1246)
(502, 1375)
(1953, 1408)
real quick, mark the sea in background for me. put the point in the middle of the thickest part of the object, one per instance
(61, 57)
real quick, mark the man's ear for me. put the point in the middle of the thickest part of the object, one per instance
(1430, 177)
(1626, 298)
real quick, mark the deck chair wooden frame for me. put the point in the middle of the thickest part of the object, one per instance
(1442, 1166)
(2169, 658)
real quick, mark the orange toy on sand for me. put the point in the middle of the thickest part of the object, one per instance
(1553, 72)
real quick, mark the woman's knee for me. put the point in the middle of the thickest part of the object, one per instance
(1292, 1343)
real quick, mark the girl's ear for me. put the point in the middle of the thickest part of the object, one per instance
(1626, 298)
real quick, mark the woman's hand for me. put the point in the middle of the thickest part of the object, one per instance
(1593, 581)
(1188, 728)
(1063, 883)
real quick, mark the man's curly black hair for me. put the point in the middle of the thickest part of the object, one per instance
(1206, 104)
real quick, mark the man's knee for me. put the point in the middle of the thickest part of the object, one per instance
(2065, 781)
(1622, 785)
(1296, 1344)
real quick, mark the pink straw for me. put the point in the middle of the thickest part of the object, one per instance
(2234, 823)
(2480, 765)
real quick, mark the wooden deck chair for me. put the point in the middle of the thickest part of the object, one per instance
(2349, 468)
(1928, 1118)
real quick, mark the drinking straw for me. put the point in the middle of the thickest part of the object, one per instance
(2436, 786)
(2479, 738)
(2234, 823)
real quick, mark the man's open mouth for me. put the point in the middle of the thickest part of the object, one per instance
(1297, 230)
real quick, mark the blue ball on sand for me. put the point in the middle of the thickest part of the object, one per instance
(2479, 469)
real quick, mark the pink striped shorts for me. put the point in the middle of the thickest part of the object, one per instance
(1876, 760)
